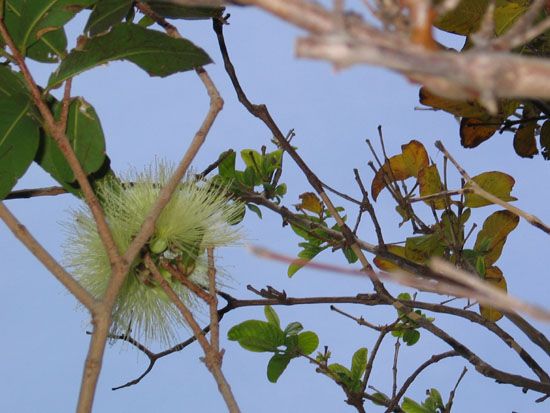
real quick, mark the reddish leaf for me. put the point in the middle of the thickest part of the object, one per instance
(525, 144)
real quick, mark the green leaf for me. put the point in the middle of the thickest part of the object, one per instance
(411, 337)
(350, 255)
(272, 316)
(308, 342)
(50, 48)
(434, 400)
(380, 399)
(252, 159)
(410, 406)
(226, 168)
(86, 137)
(176, 11)
(155, 52)
(19, 139)
(256, 335)
(107, 13)
(12, 84)
(359, 363)
(30, 20)
(276, 366)
(340, 372)
(255, 209)
(309, 252)
(496, 183)
(463, 19)
(293, 328)
(281, 190)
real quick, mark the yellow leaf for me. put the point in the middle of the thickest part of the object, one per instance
(494, 276)
(496, 183)
(387, 265)
(493, 234)
(400, 167)
(311, 203)
(507, 12)
(430, 183)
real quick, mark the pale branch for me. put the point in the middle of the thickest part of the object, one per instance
(212, 355)
(26, 238)
(406, 384)
(478, 190)
(477, 73)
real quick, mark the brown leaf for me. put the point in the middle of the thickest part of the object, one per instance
(525, 144)
(465, 109)
(475, 131)
(545, 139)
(494, 276)
(496, 183)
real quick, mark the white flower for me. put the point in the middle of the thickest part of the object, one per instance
(198, 216)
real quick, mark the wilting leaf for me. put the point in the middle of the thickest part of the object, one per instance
(430, 183)
(525, 144)
(387, 265)
(545, 139)
(496, 183)
(490, 240)
(474, 131)
(494, 276)
(155, 52)
(310, 202)
(412, 159)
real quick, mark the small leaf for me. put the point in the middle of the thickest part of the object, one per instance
(410, 406)
(255, 209)
(276, 366)
(496, 183)
(474, 131)
(380, 399)
(153, 51)
(308, 342)
(293, 328)
(411, 337)
(226, 167)
(252, 159)
(492, 236)
(340, 373)
(310, 251)
(256, 335)
(545, 139)
(525, 143)
(106, 14)
(272, 316)
(387, 265)
(310, 202)
(494, 276)
(350, 255)
(359, 363)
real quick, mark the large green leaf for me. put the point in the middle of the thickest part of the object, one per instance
(86, 137)
(155, 52)
(106, 14)
(256, 335)
(19, 139)
(179, 11)
(276, 366)
(11, 83)
(50, 47)
(28, 21)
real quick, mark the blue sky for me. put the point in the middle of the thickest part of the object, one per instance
(44, 344)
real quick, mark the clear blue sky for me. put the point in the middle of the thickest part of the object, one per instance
(43, 341)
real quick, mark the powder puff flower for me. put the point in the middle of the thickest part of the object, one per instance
(199, 216)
